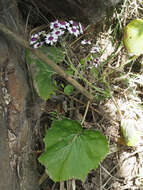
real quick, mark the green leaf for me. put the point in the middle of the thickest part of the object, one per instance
(70, 151)
(133, 37)
(46, 87)
(55, 54)
(70, 71)
(82, 61)
(43, 67)
(68, 89)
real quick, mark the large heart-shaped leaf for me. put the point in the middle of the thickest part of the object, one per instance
(133, 37)
(71, 151)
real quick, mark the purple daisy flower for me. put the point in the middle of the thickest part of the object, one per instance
(37, 45)
(51, 38)
(63, 24)
(55, 25)
(95, 49)
(58, 32)
(96, 62)
(34, 38)
(73, 23)
(74, 30)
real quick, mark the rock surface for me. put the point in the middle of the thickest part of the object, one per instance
(86, 11)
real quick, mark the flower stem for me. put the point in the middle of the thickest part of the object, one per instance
(81, 77)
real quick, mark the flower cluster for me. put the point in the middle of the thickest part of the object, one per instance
(96, 62)
(93, 58)
(57, 29)
(95, 49)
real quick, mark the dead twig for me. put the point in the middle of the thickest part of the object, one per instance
(86, 110)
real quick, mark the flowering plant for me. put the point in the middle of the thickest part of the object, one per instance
(57, 29)
(69, 137)
(55, 39)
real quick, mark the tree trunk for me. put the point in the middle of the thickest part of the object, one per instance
(17, 120)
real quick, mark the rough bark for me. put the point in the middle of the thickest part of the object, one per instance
(86, 11)
(17, 160)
